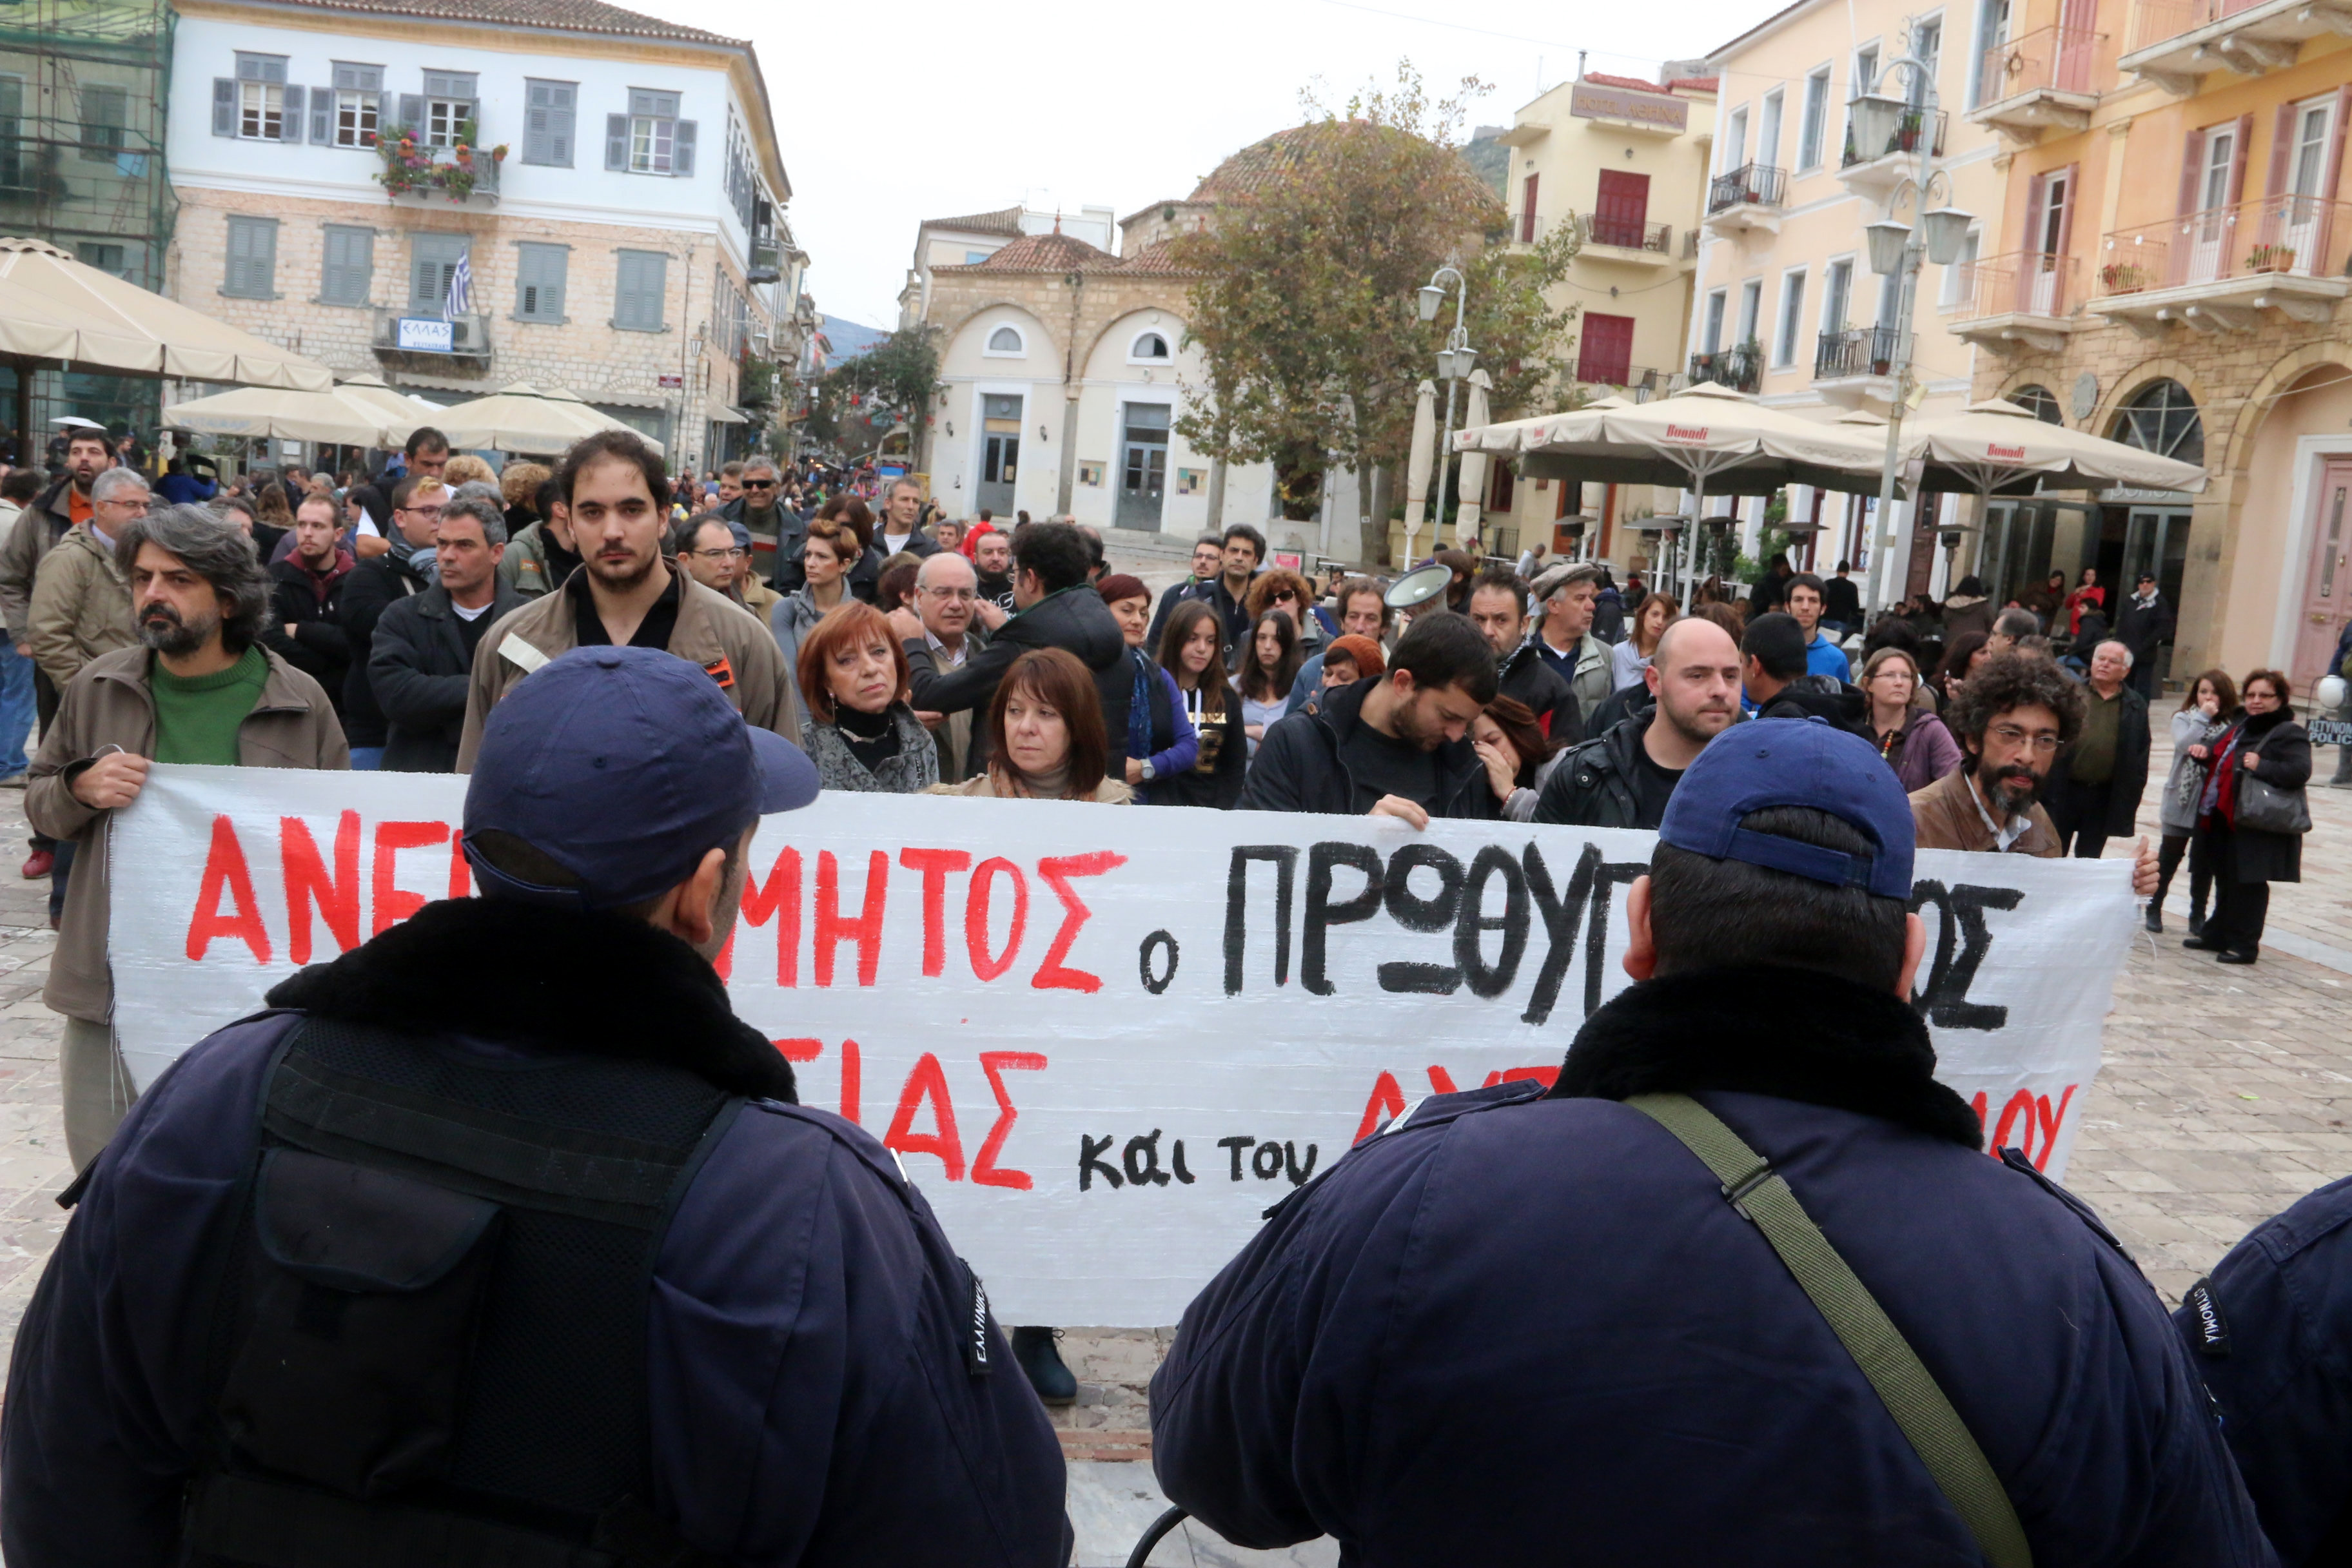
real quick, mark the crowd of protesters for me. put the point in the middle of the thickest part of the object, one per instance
(388, 622)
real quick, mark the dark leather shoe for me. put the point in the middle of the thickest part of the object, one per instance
(2155, 917)
(2198, 944)
(1042, 1361)
(2238, 958)
(2196, 923)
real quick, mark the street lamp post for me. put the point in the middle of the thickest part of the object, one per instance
(1454, 361)
(1897, 250)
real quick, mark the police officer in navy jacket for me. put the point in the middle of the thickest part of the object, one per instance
(1522, 1326)
(500, 1240)
(2270, 1328)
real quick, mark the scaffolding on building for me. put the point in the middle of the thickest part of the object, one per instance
(83, 87)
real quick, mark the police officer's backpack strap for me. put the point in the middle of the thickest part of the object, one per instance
(1902, 1381)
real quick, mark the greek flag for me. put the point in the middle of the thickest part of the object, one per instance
(461, 288)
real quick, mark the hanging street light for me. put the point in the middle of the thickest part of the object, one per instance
(1455, 362)
(1880, 120)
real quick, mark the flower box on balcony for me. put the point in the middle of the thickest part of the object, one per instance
(2271, 258)
(411, 165)
(2123, 277)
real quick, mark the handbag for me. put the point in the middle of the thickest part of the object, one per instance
(2266, 808)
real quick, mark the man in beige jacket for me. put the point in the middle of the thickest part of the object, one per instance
(625, 594)
(197, 687)
(82, 600)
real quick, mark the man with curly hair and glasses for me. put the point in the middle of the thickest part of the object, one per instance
(2012, 716)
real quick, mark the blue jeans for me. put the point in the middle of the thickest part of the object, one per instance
(16, 707)
(367, 759)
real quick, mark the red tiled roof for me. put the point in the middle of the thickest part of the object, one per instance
(1004, 221)
(566, 15)
(1695, 84)
(1055, 252)
(1633, 83)
(1158, 257)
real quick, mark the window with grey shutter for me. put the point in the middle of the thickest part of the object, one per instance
(412, 113)
(264, 108)
(356, 114)
(223, 106)
(651, 130)
(252, 272)
(450, 104)
(349, 274)
(290, 128)
(640, 290)
(539, 281)
(616, 142)
(682, 162)
(549, 121)
(322, 116)
(433, 257)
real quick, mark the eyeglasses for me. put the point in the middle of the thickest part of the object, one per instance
(732, 552)
(1284, 596)
(960, 595)
(2044, 742)
(431, 511)
(759, 484)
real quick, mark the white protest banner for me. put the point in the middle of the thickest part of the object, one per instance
(1104, 1040)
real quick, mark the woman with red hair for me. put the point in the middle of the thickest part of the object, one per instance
(860, 733)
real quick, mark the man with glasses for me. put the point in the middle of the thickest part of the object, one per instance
(706, 547)
(2012, 717)
(374, 587)
(1208, 562)
(945, 635)
(761, 510)
(82, 597)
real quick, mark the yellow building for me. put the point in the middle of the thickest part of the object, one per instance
(1625, 162)
(2177, 279)
(1786, 304)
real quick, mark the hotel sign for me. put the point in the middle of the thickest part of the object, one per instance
(1590, 101)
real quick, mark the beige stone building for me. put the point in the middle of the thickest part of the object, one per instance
(588, 198)
(1625, 162)
(2175, 181)
(1787, 304)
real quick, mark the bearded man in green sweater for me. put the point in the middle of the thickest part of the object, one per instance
(197, 687)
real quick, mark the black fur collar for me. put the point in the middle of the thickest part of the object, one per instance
(1793, 1033)
(570, 981)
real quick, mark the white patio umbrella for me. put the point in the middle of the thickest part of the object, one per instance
(393, 407)
(594, 419)
(1470, 483)
(1707, 438)
(56, 310)
(2000, 446)
(520, 418)
(1992, 444)
(1417, 466)
(347, 415)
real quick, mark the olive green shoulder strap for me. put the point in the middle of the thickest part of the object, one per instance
(1902, 1381)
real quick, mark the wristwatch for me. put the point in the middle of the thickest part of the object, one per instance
(1150, 772)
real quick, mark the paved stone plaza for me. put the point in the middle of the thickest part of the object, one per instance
(2225, 1096)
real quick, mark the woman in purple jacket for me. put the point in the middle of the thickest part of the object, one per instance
(1914, 741)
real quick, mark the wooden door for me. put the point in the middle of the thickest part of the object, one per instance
(1620, 210)
(1606, 354)
(2327, 580)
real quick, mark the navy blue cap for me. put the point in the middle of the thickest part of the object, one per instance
(1795, 762)
(623, 765)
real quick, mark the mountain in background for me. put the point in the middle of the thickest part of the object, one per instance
(849, 338)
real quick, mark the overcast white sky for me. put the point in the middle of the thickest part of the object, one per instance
(888, 115)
